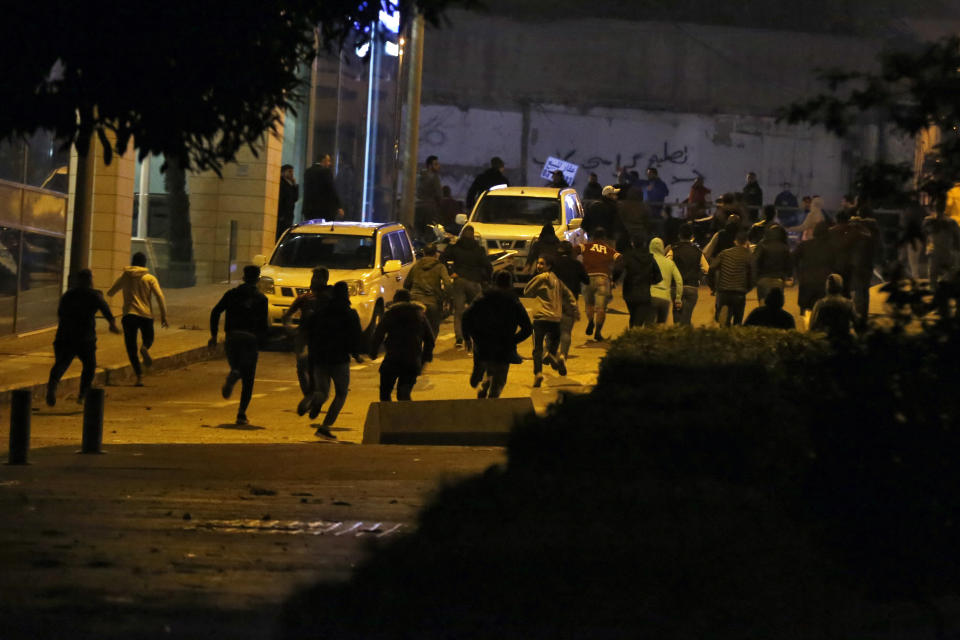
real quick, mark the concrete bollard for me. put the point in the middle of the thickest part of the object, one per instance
(20, 401)
(92, 421)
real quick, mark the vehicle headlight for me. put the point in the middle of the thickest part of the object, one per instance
(356, 288)
(266, 285)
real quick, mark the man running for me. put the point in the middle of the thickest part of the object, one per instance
(497, 323)
(307, 304)
(76, 334)
(138, 287)
(427, 281)
(551, 297)
(599, 260)
(245, 327)
(409, 342)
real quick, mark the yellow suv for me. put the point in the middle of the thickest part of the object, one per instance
(372, 258)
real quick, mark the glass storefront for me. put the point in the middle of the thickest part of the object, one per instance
(33, 219)
(355, 118)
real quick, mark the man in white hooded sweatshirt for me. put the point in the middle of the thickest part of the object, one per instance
(138, 285)
(666, 294)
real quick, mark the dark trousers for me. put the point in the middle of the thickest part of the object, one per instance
(323, 374)
(544, 331)
(302, 351)
(242, 354)
(63, 355)
(860, 290)
(734, 302)
(494, 377)
(689, 300)
(402, 374)
(131, 325)
(433, 313)
(661, 309)
(464, 293)
(641, 313)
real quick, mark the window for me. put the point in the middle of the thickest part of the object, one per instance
(401, 247)
(386, 251)
(518, 210)
(333, 251)
(571, 207)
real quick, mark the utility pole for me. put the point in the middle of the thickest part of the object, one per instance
(413, 58)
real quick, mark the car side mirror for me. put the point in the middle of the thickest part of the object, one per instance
(391, 266)
(259, 260)
(574, 224)
(461, 219)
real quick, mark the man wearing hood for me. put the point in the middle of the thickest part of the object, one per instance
(550, 299)
(497, 323)
(471, 267)
(666, 294)
(409, 341)
(492, 177)
(138, 286)
(811, 220)
(426, 282)
(640, 272)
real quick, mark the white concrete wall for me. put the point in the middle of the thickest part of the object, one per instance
(720, 147)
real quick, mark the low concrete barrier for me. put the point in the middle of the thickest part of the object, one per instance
(444, 422)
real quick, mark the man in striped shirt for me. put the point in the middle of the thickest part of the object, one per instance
(735, 277)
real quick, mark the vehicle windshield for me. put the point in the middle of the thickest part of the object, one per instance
(333, 251)
(518, 210)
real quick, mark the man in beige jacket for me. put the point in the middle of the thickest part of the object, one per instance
(138, 285)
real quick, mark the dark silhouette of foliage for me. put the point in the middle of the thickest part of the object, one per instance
(194, 81)
(913, 90)
(722, 483)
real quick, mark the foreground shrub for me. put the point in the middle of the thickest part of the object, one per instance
(717, 483)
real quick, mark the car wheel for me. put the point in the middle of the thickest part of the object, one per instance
(375, 320)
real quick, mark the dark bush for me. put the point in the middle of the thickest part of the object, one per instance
(716, 483)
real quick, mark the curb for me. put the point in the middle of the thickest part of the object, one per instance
(107, 376)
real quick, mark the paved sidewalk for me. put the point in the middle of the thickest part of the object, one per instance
(25, 361)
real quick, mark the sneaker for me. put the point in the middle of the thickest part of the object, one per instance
(468, 345)
(550, 360)
(303, 406)
(231, 380)
(459, 343)
(537, 380)
(51, 397)
(242, 419)
(324, 430)
(139, 382)
(562, 365)
(516, 358)
(590, 327)
(598, 337)
(145, 355)
(482, 391)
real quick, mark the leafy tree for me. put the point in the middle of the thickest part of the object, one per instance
(194, 81)
(913, 90)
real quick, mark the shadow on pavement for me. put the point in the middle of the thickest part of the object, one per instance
(235, 427)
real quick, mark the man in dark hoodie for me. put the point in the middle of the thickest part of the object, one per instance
(489, 178)
(497, 323)
(409, 340)
(334, 334)
(640, 272)
(471, 267)
(245, 328)
(426, 281)
(306, 304)
(76, 334)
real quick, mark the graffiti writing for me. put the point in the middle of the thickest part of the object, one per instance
(696, 174)
(676, 157)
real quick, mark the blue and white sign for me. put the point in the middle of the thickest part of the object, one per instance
(554, 164)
